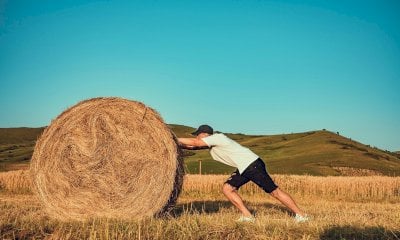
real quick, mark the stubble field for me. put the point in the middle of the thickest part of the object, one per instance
(341, 208)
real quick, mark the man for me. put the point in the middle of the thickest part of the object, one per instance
(249, 166)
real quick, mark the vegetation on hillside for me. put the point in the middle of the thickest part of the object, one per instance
(311, 153)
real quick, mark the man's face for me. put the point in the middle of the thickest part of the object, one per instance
(202, 135)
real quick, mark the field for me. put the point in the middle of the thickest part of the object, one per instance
(341, 208)
(351, 190)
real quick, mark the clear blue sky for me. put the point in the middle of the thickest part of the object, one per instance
(255, 67)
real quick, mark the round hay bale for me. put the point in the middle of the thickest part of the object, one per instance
(107, 157)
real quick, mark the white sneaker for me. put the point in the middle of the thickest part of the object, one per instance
(300, 219)
(250, 219)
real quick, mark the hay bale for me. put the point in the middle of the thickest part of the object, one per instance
(107, 157)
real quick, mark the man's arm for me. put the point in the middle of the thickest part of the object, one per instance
(188, 147)
(192, 142)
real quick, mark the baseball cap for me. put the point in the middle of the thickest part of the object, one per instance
(203, 129)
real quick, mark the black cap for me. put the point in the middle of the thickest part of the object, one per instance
(203, 129)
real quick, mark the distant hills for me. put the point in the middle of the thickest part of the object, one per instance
(19, 135)
(313, 153)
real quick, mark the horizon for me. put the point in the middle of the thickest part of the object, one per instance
(254, 135)
(251, 67)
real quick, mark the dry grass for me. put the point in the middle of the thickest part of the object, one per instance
(15, 181)
(372, 188)
(203, 213)
(348, 171)
(356, 189)
(107, 157)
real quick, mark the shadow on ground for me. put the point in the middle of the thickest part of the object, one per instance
(367, 233)
(196, 207)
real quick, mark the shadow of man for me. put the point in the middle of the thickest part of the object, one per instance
(196, 207)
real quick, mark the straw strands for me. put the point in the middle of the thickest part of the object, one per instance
(107, 157)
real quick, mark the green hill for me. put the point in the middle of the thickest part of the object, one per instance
(19, 135)
(313, 153)
(16, 147)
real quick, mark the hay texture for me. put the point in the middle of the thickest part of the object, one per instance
(107, 157)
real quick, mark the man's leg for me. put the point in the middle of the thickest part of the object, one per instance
(287, 200)
(233, 196)
(257, 173)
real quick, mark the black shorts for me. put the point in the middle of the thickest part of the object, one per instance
(256, 173)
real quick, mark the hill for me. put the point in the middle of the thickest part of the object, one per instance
(19, 135)
(16, 147)
(313, 153)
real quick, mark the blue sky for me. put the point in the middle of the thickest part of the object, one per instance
(255, 67)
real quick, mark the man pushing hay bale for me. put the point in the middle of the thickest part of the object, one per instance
(107, 157)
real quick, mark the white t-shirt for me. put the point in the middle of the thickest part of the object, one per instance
(227, 151)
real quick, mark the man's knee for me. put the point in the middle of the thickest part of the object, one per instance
(275, 193)
(227, 188)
